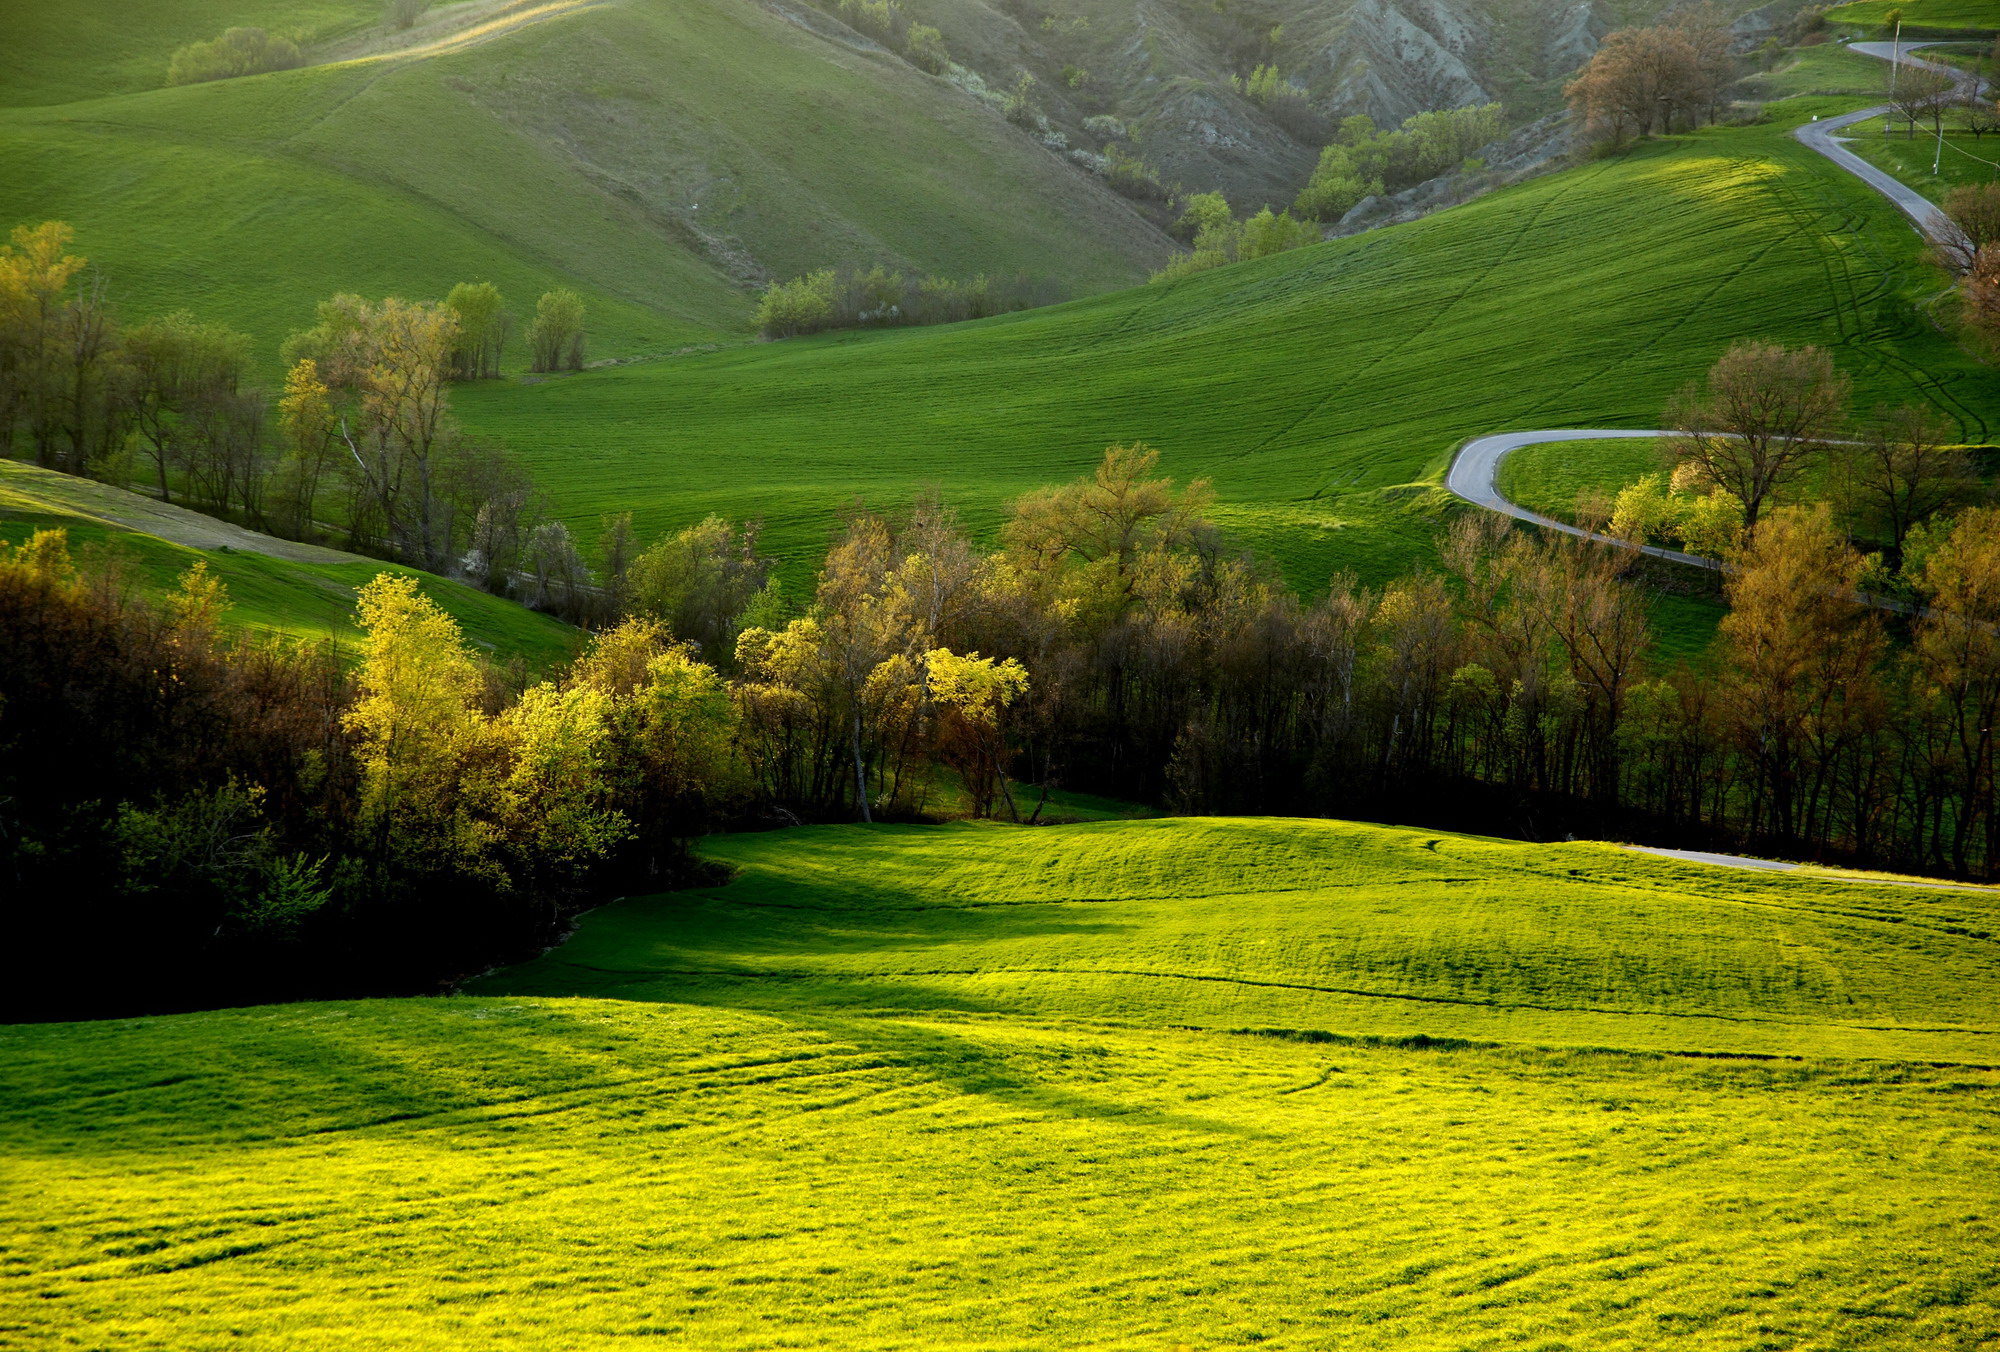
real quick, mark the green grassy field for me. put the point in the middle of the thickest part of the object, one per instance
(662, 158)
(294, 598)
(1147, 1085)
(1921, 13)
(1549, 478)
(1965, 159)
(1323, 390)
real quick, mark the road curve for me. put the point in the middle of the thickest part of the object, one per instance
(1475, 469)
(1817, 875)
(1475, 472)
(1824, 137)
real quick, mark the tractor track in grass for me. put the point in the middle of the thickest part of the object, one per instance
(1498, 1004)
(1475, 469)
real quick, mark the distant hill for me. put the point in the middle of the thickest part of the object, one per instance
(664, 158)
(1322, 390)
(670, 158)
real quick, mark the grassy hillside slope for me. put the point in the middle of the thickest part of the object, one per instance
(975, 1087)
(663, 158)
(1921, 13)
(1323, 390)
(302, 592)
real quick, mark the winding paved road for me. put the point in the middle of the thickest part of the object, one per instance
(1474, 471)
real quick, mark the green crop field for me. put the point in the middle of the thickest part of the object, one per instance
(298, 598)
(1323, 391)
(1962, 159)
(661, 158)
(1549, 478)
(1922, 13)
(1146, 1085)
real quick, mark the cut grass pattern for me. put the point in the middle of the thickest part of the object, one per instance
(920, 1107)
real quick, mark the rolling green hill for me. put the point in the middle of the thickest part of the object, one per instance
(275, 586)
(1143, 1085)
(663, 158)
(1921, 13)
(1322, 390)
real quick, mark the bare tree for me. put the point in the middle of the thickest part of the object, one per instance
(1644, 80)
(1901, 473)
(1763, 413)
(1975, 209)
(1979, 295)
(1920, 94)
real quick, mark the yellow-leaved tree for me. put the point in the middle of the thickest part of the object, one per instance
(672, 726)
(425, 746)
(555, 802)
(971, 694)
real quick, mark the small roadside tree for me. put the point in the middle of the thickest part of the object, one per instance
(1921, 96)
(1900, 473)
(1763, 413)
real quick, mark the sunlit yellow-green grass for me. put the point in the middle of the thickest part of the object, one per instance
(1551, 478)
(1141, 1085)
(1921, 13)
(291, 598)
(1322, 391)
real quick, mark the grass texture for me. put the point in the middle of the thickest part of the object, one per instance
(1323, 391)
(1550, 477)
(1146, 1085)
(662, 158)
(1921, 13)
(1962, 159)
(308, 600)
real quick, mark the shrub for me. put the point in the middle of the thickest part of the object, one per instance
(847, 298)
(1265, 234)
(800, 306)
(879, 19)
(1362, 161)
(239, 51)
(1225, 241)
(925, 47)
(1199, 212)
(1130, 176)
(1287, 104)
(401, 15)
(1019, 108)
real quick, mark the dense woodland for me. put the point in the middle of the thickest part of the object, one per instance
(284, 825)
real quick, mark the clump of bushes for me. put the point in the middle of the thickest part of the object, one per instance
(1129, 176)
(887, 23)
(1683, 511)
(848, 298)
(1363, 161)
(239, 51)
(401, 15)
(1286, 103)
(1219, 239)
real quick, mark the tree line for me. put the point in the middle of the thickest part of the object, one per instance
(1672, 75)
(246, 818)
(359, 447)
(879, 297)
